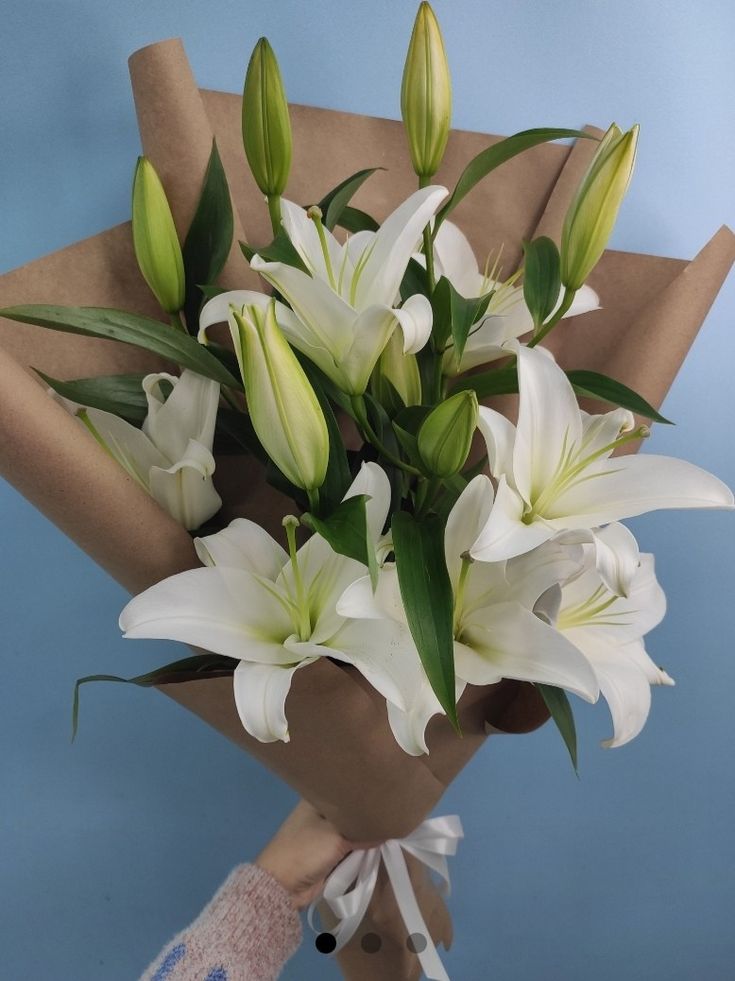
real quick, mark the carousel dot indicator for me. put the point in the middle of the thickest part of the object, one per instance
(371, 943)
(416, 943)
(325, 943)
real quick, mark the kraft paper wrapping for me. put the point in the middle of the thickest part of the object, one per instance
(341, 744)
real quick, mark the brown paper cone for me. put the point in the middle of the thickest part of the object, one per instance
(340, 739)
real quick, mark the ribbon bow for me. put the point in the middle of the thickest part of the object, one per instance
(430, 843)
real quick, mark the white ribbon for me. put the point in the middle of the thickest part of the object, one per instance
(430, 843)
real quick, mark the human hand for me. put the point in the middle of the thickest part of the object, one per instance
(304, 850)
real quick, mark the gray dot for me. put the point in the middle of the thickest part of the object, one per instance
(371, 943)
(416, 943)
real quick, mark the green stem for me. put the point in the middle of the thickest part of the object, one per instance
(274, 210)
(366, 430)
(428, 247)
(313, 495)
(177, 323)
(566, 303)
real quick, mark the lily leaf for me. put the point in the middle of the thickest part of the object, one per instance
(188, 669)
(355, 220)
(346, 530)
(122, 395)
(497, 381)
(414, 281)
(426, 591)
(281, 249)
(333, 204)
(130, 328)
(541, 278)
(561, 712)
(489, 159)
(209, 238)
(594, 385)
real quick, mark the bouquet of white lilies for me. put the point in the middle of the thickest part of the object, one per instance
(455, 515)
(427, 567)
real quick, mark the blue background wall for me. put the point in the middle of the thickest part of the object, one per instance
(109, 846)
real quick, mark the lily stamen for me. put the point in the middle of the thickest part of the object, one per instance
(315, 214)
(303, 619)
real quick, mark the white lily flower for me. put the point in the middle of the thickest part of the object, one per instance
(609, 629)
(275, 613)
(507, 316)
(497, 633)
(171, 456)
(344, 303)
(555, 473)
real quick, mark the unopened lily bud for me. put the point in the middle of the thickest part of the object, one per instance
(592, 214)
(266, 126)
(426, 94)
(400, 370)
(445, 436)
(284, 410)
(155, 240)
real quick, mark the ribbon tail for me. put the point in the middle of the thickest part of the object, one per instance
(397, 870)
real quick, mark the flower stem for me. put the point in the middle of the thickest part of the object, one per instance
(177, 323)
(360, 413)
(290, 523)
(274, 210)
(564, 306)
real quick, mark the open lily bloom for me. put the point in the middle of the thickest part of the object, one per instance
(344, 303)
(555, 472)
(507, 315)
(171, 456)
(497, 633)
(609, 629)
(275, 613)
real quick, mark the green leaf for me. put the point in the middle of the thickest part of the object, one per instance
(594, 385)
(129, 328)
(338, 477)
(353, 220)
(192, 668)
(464, 314)
(426, 591)
(489, 159)
(122, 395)
(561, 712)
(209, 238)
(346, 530)
(281, 249)
(333, 204)
(414, 280)
(541, 278)
(497, 381)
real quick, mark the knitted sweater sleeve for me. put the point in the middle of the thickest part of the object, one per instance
(246, 933)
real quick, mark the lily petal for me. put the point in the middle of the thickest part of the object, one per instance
(456, 259)
(617, 557)
(190, 412)
(499, 434)
(505, 534)
(243, 545)
(415, 319)
(227, 611)
(549, 422)
(631, 485)
(260, 696)
(465, 522)
(509, 641)
(395, 241)
(186, 490)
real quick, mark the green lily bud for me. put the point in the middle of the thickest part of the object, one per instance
(284, 410)
(426, 94)
(445, 436)
(401, 370)
(266, 126)
(155, 240)
(591, 216)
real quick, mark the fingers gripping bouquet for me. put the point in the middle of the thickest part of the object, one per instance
(435, 545)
